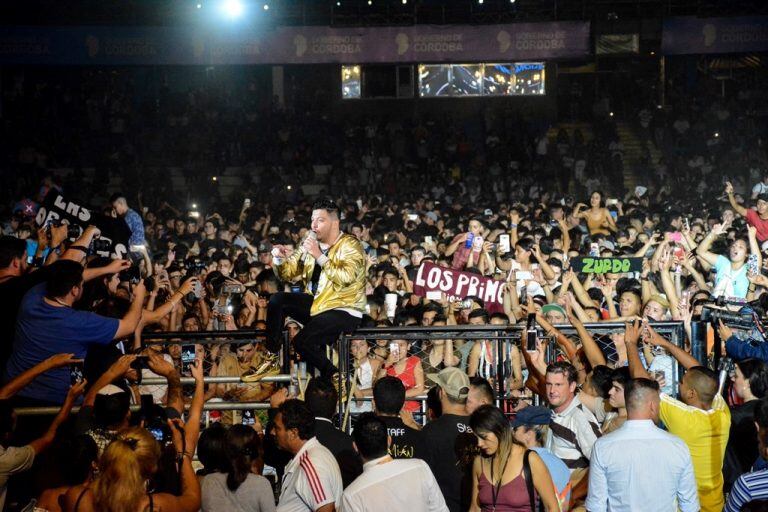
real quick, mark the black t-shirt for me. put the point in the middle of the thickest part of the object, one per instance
(407, 442)
(448, 439)
(11, 292)
(741, 451)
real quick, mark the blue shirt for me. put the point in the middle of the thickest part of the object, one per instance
(559, 472)
(738, 278)
(136, 225)
(641, 467)
(749, 487)
(42, 331)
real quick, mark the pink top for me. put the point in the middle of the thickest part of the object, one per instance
(512, 497)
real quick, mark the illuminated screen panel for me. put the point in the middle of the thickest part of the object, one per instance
(350, 82)
(529, 78)
(466, 79)
(498, 80)
(434, 80)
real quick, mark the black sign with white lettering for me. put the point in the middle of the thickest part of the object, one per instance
(588, 265)
(115, 231)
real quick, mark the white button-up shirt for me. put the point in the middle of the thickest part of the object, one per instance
(388, 485)
(641, 467)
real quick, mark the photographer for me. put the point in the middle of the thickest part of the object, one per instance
(47, 324)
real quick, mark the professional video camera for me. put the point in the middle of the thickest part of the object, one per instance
(747, 317)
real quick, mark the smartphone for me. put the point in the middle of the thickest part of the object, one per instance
(140, 363)
(678, 252)
(594, 250)
(158, 434)
(428, 240)
(477, 243)
(504, 246)
(466, 304)
(76, 373)
(246, 202)
(614, 214)
(248, 417)
(413, 216)
(187, 358)
(686, 224)
(675, 236)
(611, 202)
(468, 243)
(530, 334)
(394, 349)
(197, 289)
(752, 265)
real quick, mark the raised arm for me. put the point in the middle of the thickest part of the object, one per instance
(732, 199)
(41, 443)
(631, 337)
(23, 379)
(131, 319)
(683, 357)
(703, 249)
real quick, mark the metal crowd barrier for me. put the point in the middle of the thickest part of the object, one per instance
(674, 331)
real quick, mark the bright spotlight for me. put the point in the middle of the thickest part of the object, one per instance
(233, 8)
(266, 7)
(199, 5)
(405, 2)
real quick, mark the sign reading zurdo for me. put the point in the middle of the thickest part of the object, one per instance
(606, 265)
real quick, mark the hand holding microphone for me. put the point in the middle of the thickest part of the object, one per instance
(310, 245)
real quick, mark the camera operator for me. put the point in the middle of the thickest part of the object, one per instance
(47, 324)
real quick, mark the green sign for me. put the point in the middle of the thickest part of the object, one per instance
(589, 265)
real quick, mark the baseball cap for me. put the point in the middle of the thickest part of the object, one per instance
(453, 381)
(109, 390)
(289, 320)
(532, 415)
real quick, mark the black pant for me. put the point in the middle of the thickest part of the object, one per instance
(280, 306)
(318, 332)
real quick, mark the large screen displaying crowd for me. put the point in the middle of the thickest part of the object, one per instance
(503, 201)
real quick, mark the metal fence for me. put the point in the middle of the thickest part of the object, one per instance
(498, 337)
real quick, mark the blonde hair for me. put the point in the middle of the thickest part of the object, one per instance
(124, 467)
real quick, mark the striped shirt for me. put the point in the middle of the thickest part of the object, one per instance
(312, 479)
(749, 487)
(572, 434)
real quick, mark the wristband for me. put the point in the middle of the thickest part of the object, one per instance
(513, 226)
(81, 248)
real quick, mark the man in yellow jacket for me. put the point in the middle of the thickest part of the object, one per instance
(330, 265)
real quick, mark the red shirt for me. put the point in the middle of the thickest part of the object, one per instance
(753, 219)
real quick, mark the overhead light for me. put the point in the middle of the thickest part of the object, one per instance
(233, 8)
(611, 114)
(370, 2)
(266, 7)
(480, 2)
(405, 2)
(199, 5)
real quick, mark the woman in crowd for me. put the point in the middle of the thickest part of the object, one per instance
(129, 463)
(731, 278)
(506, 475)
(406, 368)
(599, 219)
(78, 460)
(241, 487)
(750, 383)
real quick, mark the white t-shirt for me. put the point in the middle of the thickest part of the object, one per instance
(312, 479)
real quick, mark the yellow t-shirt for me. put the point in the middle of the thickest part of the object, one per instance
(706, 434)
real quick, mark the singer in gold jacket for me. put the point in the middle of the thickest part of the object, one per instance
(342, 280)
(331, 266)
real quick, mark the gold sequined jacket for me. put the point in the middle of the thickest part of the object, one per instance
(342, 279)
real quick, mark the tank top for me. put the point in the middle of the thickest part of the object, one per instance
(80, 498)
(408, 378)
(364, 379)
(512, 496)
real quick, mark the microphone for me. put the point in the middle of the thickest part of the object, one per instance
(302, 251)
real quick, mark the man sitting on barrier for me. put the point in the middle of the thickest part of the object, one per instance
(331, 266)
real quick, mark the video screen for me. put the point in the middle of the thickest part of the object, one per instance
(502, 79)
(467, 79)
(350, 82)
(434, 80)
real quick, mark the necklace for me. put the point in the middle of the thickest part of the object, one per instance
(60, 303)
(496, 488)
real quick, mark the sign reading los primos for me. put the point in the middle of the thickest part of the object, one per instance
(606, 265)
(457, 284)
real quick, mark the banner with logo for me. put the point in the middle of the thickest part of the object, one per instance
(293, 45)
(114, 232)
(590, 265)
(458, 285)
(691, 35)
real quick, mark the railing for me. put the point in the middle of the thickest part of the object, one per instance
(674, 331)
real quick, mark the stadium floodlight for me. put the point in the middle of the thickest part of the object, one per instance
(233, 8)
(199, 5)
(266, 7)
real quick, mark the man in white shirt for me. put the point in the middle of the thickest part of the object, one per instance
(312, 481)
(619, 475)
(389, 484)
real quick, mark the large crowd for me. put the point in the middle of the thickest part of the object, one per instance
(587, 420)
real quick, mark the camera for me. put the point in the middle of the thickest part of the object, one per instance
(132, 274)
(736, 320)
(100, 245)
(73, 231)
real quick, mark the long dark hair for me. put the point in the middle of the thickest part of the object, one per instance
(243, 448)
(755, 371)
